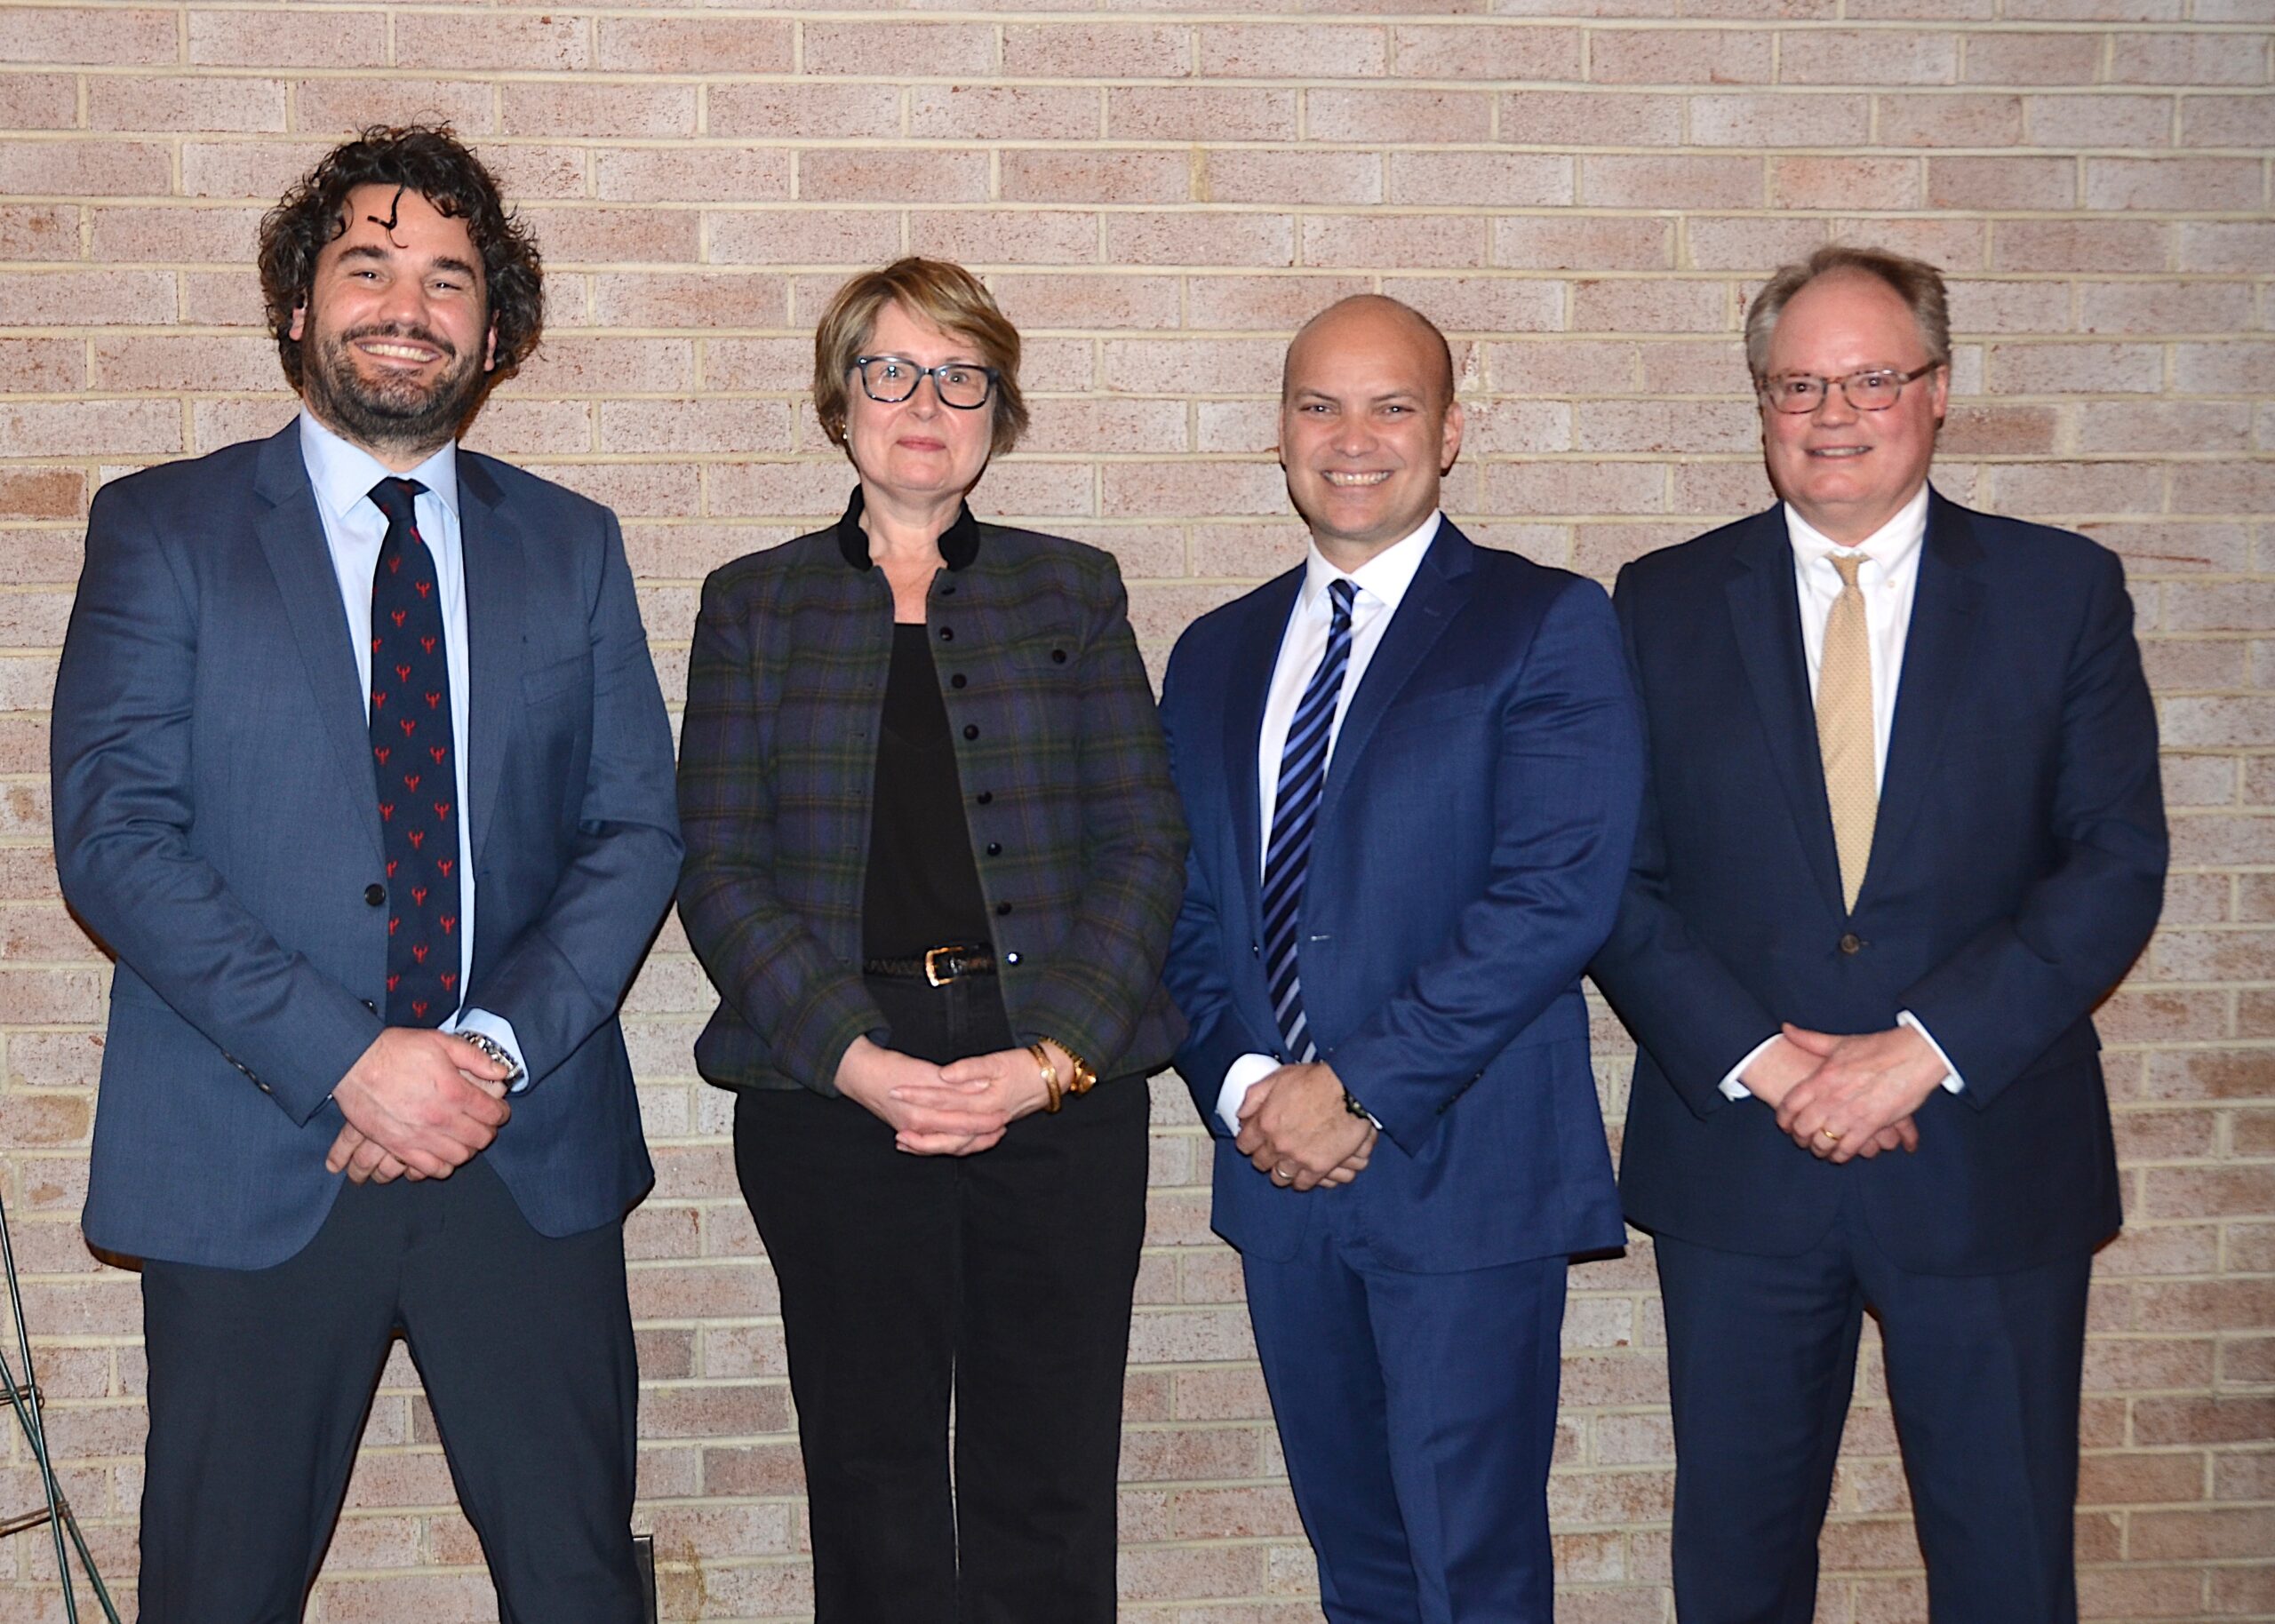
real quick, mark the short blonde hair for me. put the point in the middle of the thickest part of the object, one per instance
(1920, 284)
(934, 291)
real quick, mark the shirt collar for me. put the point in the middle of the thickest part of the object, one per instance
(1386, 577)
(1890, 545)
(959, 542)
(344, 473)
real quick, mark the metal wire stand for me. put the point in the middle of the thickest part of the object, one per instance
(24, 1399)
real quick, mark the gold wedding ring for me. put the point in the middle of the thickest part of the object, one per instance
(1829, 1133)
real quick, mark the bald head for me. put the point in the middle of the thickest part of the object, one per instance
(1374, 320)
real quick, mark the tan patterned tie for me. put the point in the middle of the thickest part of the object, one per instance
(1844, 727)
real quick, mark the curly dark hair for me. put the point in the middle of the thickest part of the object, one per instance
(429, 160)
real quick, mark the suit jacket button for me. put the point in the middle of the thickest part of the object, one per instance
(994, 848)
(970, 730)
(985, 796)
(375, 895)
(1851, 942)
(1002, 908)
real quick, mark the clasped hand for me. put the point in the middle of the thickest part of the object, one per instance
(419, 1104)
(1295, 1127)
(1842, 1097)
(956, 1110)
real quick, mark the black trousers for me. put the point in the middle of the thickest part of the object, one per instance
(1001, 1282)
(260, 1381)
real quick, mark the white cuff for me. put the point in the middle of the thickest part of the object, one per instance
(1733, 1087)
(1242, 1075)
(1954, 1083)
(500, 1030)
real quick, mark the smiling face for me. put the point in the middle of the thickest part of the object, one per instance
(1847, 472)
(1367, 427)
(396, 334)
(917, 452)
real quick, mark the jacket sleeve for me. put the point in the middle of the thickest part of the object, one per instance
(120, 765)
(1570, 774)
(759, 953)
(1682, 1003)
(564, 975)
(1998, 1002)
(1109, 961)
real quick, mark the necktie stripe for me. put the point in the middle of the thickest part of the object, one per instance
(1286, 864)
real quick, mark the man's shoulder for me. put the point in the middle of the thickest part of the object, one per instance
(1229, 622)
(192, 482)
(1683, 565)
(520, 492)
(2025, 551)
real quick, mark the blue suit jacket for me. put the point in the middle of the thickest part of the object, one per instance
(1471, 839)
(216, 824)
(2017, 870)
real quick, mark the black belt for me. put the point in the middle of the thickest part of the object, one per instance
(936, 968)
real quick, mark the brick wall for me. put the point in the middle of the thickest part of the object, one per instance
(1585, 198)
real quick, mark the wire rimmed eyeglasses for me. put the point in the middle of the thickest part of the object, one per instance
(1874, 389)
(890, 379)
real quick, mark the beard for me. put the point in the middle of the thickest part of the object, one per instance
(392, 411)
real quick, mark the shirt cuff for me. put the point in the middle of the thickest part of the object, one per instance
(1733, 1089)
(499, 1030)
(1954, 1083)
(1242, 1075)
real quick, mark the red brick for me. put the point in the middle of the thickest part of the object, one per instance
(38, 102)
(1844, 182)
(288, 39)
(1591, 118)
(1010, 236)
(1621, 181)
(1681, 56)
(2163, 307)
(1310, 52)
(342, 106)
(1211, 112)
(1566, 242)
(2226, 120)
(2094, 369)
(684, 44)
(80, 167)
(2003, 183)
(1870, 57)
(1095, 175)
(1499, 50)
(2208, 57)
(1066, 299)
(1152, 238)
(1493, 179)
(1097, 49)
(1947, 120)
(1281, 302)
(804, 236)
(90, 36)
(1651, 305)
(693, 174)
(2174, 184)
(1788, 118)
(854, 175)
(1234, 175)
(2078, 245)
(561, 107)
(1751, 242)
(1005, 112)
(38, 231)
(683, 298)
(2225, 247)
(2100, 121)
(509, 40)
(2163, 425)
(2032, 59)
(860, 48)
(1424, 117)
(799, 110)
(1420, 241)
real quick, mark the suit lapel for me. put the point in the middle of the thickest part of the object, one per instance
(1766, 615)
(292, 538)
(1248, 685)
(1936, 652)
(496, 566)
(1439, 587)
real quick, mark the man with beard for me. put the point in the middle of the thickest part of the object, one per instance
(362, 772)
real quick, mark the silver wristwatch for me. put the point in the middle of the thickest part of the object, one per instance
(496, 1051)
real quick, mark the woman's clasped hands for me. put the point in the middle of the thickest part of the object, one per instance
(955, 1109)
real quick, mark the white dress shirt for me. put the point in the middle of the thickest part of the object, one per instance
(1382, 582)
(1888, 580)
(354, 528)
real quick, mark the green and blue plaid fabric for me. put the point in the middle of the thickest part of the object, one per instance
(1074, 821)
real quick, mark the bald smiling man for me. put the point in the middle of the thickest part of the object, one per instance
(1411, 767)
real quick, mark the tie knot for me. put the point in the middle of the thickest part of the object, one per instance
(1848, 564)
(394, 499)
(1344, 593)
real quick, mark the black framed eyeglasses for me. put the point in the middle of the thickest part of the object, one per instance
(1874, 389)
(890, 379)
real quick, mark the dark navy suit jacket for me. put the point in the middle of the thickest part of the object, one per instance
(1471, 839)
(2017, 870)
(216, 824)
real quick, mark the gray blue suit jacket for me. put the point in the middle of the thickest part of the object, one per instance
(217, 828)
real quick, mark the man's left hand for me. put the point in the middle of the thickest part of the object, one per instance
(365, 1163)
(1294, 1126)
(1863, 1084)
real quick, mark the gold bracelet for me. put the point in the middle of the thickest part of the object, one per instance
(1050, 1071)
(1085, 1078)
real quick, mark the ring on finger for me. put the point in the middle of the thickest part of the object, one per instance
(1829, 1133)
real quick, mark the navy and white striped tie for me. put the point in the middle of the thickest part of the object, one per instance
(1286, 860)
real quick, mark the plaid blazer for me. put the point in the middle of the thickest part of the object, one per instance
(1067, 783)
